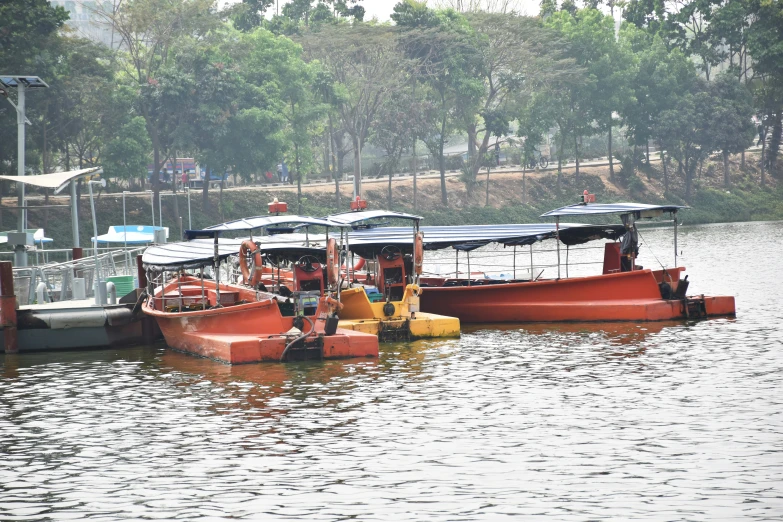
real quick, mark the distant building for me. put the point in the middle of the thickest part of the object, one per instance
(87, 22)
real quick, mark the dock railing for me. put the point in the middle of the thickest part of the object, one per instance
(53, 275)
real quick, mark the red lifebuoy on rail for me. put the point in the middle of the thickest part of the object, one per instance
(332, 265)
(359, 264)
(418, 253)
(246, 250)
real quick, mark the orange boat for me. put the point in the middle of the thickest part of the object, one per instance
(622, 292)
(239, 324)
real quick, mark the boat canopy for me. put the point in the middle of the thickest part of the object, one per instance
(201, 252)
(640, 210)
(370, 242)
(275, 224)
(188, 254)
(357, 219)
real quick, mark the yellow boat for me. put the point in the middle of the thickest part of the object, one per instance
(393, 320)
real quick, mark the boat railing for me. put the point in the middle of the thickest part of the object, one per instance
(54, 280)
(517, 264)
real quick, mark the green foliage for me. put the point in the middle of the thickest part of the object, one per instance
(127, 154)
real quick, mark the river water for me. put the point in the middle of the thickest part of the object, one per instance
(673, 421)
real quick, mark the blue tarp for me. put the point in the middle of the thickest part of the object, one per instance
(132, 234)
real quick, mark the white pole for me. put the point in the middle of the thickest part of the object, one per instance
(20, 119)
(124, 224)
(152, 206)
(74, 215)
(98, 300)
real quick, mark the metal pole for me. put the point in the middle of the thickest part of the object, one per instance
(20, 119)
(468, 267)
(557, 238)
(532, 277)
(74, 215)
(515, 262)
(98, 300)
(190, 223)
(124, 224)
(674, 214)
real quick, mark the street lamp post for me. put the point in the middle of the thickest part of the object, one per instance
(20, 83)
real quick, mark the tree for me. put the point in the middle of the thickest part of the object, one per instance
(662, 77)
(519, 58)
(731, 120)
(126, 156)
(149, 31)
(366, 65)
(443, 50)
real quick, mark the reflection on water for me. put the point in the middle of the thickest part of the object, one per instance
(658, 421)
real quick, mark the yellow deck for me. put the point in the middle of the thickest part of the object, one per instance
(359, 314)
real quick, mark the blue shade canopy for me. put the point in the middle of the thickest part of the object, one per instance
(132, 234)
(27, 81)
(355, 219)
(597, 209)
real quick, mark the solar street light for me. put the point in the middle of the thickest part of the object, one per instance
(21, 84)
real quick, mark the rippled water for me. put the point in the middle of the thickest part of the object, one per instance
(673, 421)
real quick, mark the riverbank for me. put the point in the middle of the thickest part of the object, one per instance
(514, 196)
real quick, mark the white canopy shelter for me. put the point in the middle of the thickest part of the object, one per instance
(55, 180)
(58, 181)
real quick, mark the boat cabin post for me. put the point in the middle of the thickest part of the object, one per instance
(515, 262)
(216, 264)
(557, 240)
(674, 216)
(468, 252)
(531, 262)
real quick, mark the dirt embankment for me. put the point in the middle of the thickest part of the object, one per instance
(513, 197)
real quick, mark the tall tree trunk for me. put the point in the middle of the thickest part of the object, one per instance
(647, 153)
(576, 157)
(665, 173)
(415, 174)
(524, 182)
(357, 166)
(611, 159)
(486, 199)
(774, 144)
(298, 179)
(726, 179)
(689, 168)
(389, 195)
(444, 198)
(763, 157)
(205, 189)
(337, 167)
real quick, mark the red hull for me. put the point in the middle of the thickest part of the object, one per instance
(250, 332)
(625, 296)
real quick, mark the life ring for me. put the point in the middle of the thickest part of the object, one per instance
(418, 253)
(247, 249)
(332, 264)
(359, 264)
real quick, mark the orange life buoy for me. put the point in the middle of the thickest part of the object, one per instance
(418, 253)
(332, 265)
(359, 264)
(247, 249)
